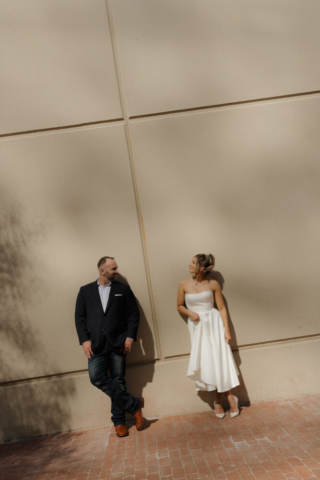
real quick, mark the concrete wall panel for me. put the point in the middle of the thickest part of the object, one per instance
(57, 65)
(241, 183)
(185, 53)
(67, 199)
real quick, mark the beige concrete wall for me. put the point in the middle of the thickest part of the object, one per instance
(64, 196)
(185, 54)
(57, 65)
(245, 187)
(81, 176)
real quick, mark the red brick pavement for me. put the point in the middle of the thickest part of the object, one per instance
(269, 440)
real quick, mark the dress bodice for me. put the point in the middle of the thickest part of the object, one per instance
(199, 302)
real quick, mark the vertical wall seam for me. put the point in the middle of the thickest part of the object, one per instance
(133, 173)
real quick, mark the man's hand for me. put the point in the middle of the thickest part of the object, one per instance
(127, 345)
(87, 348)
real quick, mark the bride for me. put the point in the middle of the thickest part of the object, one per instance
(211, 365)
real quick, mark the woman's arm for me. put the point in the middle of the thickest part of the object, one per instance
(181, 307)
(222, 310)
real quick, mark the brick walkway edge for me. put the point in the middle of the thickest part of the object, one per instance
(269, 440)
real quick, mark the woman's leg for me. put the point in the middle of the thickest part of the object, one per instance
(232, 402)
(217, 403)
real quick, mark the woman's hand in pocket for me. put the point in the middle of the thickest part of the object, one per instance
(194, 317)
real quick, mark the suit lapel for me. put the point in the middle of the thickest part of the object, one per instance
(96, 295)
(113, 290)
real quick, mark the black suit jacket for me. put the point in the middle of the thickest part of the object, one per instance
(119, 321)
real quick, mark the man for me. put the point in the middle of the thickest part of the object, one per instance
(107, 319)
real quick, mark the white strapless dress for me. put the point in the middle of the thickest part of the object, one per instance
(211, 365)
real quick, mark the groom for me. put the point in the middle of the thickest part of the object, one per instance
(107, 319)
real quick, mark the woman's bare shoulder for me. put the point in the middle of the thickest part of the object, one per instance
(185, 282)
(214, 285)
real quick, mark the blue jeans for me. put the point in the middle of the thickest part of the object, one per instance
(114, 385)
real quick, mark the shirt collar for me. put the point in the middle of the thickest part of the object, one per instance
(103, 286)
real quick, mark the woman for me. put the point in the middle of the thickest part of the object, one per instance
(211, 365)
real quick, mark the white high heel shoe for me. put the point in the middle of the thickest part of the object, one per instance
(235, 414)
(219, 415)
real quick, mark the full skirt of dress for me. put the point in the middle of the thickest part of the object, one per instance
(211, 365)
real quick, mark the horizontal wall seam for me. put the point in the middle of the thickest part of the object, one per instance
(173, 357)
(259, 344)
(42, 378)
(52, 129)
(241, 102)
(273, 342)
(158, 114)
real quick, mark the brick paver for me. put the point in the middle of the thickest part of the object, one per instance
(269, 440)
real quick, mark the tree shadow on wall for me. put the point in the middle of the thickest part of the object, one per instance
(28, 408)
(241, 391)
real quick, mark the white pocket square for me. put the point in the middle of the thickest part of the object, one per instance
(118, 295)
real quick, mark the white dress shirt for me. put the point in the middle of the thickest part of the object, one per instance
(104, 292)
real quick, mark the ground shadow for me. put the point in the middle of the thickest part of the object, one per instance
(39, 457)
(146, 423)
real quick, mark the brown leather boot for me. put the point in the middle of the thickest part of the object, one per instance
(121, 430)
(138, 416)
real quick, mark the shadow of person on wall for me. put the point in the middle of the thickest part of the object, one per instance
(141, 360)
(241, 390)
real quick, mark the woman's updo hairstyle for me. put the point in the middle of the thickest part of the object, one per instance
(206, 261)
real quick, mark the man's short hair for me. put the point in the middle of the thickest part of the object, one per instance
(103, 260)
